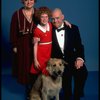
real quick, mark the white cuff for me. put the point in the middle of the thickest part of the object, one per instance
(80, 59)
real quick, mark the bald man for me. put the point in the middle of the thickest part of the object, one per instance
(67, 45)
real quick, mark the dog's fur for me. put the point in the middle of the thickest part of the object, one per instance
(49, 86)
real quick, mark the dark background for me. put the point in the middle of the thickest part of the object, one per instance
(83, 13)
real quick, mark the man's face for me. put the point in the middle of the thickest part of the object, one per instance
(57, 19)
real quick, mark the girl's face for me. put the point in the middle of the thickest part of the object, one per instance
(44, 18)
(28, 3)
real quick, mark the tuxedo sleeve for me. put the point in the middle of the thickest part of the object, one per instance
(78, 46)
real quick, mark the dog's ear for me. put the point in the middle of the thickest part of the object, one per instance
(48, 63)
(64, 62)
(50, 59)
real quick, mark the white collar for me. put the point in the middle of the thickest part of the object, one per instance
(42, 29)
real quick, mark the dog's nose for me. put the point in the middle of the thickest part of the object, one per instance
(59, 72)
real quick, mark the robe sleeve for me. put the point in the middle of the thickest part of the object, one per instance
(14, 30)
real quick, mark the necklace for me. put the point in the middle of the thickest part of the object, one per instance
(28, 14)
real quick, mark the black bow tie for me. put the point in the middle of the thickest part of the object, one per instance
(60, 29)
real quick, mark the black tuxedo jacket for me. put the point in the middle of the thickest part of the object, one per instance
(73, 47)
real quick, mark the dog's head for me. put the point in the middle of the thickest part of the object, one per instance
(55, 67)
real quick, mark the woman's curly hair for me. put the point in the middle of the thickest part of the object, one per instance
(43, 10)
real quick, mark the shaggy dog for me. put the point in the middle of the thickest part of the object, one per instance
(48, 87)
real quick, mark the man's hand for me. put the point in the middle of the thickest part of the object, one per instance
(79, 63)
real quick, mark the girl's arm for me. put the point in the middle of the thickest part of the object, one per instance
(36, 63)
(68, 23)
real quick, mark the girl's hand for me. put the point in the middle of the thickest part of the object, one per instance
(36, 63)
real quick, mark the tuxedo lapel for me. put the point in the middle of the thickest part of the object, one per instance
(66, 37)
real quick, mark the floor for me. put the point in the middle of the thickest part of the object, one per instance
(11, 90)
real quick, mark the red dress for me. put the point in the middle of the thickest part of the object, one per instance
(44, 50)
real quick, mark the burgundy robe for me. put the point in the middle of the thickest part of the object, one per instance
(21, 37)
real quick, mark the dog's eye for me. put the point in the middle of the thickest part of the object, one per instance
(60, 64)
(54, 65)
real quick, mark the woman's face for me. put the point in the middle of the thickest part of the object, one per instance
(44, 19)
(28, 3)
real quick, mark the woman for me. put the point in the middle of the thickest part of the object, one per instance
(21, 28)
(22, 24)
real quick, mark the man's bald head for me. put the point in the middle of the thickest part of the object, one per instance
(57, 17)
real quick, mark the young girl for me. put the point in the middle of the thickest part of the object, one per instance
(42, 42)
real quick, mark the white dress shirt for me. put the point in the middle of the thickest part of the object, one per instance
(60, 37)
